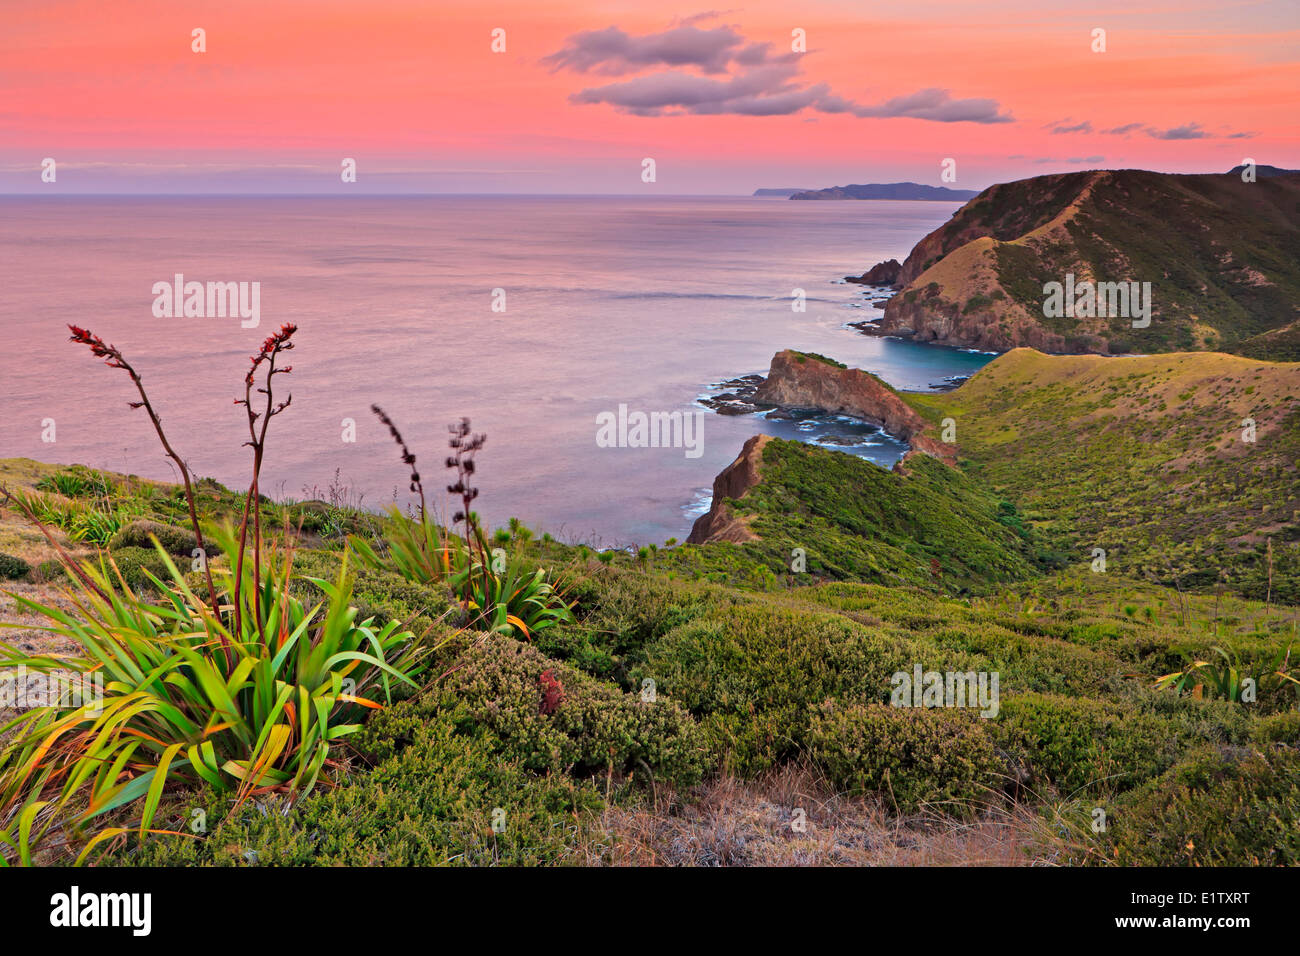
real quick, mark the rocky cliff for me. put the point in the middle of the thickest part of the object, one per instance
(718, 523)
(799, 380)
(802, 380)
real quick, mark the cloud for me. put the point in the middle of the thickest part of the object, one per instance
(929, 104)
(764, 91)
(1084, 127)
(612, 52)
(690, 70)
(1186, 131)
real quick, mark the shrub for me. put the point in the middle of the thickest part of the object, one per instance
(621, 611)
(749, 671)
(431, 804)
(1226, 806)
(1079, 744)
(1029, 663)
(498, 686)
(136, 564)
(137, 535)
(1283, 728)
(12, 567)
(912, 756)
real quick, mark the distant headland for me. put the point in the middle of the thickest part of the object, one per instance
(913, 191)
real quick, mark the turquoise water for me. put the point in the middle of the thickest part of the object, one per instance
(608, 301)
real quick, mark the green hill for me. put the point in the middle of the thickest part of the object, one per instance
(928, 525)
(1222, 257)
(1145, 458)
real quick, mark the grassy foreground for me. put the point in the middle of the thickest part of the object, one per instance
(686, 673)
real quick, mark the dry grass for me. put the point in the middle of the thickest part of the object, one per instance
(728, 822)
(18, 536)
(25, 635)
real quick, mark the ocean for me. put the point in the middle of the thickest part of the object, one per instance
(600, 302)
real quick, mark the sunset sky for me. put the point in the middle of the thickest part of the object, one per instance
(411, 89)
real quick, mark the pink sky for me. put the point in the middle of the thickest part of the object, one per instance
(413, 92)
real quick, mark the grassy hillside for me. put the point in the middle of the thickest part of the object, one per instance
(549, 751)
(931, 526)
(1144, 457)
(1222, 257)
(747, 683)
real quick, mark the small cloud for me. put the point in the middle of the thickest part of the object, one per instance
(1186, 131)
(929, 104)
(612, 52)
(1083, 127)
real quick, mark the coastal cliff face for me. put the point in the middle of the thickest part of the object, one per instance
(1222, 258)
(799, 380)
(718, 523)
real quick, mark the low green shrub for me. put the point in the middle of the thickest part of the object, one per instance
(586, 727)
(912, 756)
(13, 567)
(431, 804)
(133, 562)
(620, 612)
(1220, 806)
(748, 672)
(1082, 745)
(1029, 663)
(174, 540)
(1283, 728)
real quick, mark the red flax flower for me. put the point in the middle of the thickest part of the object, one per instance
(113, 358)
(274, 344)
(110, 353)
(270, 351)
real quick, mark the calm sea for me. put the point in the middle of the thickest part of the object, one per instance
(608, 301)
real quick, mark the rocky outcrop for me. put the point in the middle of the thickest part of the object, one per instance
(798, 380)
(882, 273)
(801, 380)
(719, 523)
